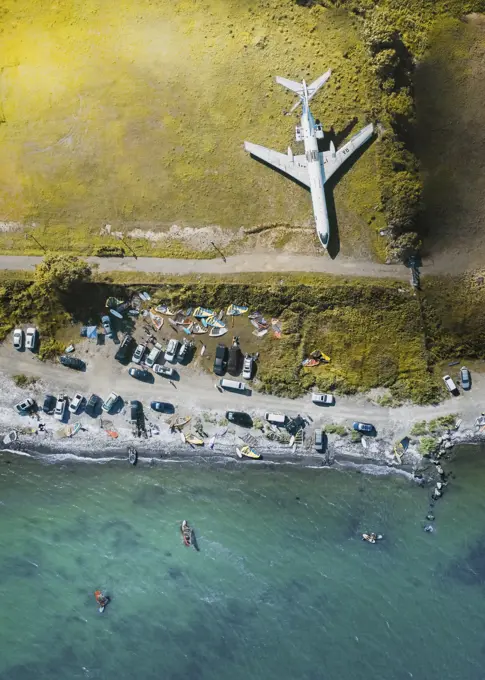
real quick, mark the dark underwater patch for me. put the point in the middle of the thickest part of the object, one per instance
(18, 567)
(175, 573)
(470, 569)
(149, 496)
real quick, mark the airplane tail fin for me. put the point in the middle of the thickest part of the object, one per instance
(299, 89)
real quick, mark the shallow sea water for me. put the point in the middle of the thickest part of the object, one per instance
(282, 587)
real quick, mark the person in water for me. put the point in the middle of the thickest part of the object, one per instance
(101, 599)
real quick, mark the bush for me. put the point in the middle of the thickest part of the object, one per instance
(419, 428)
(50, 348)
(428, 446)
(341, 430)
(355, 436)
(442, 423)
(110, 251)
(22, 380)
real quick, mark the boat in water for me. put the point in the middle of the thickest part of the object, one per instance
(102, 600)
(188, 535)
(247, 452)
(372, 537)
(132, 455)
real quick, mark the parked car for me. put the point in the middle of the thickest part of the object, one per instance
(153, 356)
(220, 360)
(61, 405)
(123, 353)
(276, 419)
(363, 427)
(320, 441)
(110, 402)
(248, 364)
(106, 322)
(140, 374)
(172, 349)
(239, 418)
(318, 398)
(72, 362)
(234, 362)
(92, 405)
(76, 402)
(18, 338)
(136, 409)
(139, 353)
(161, 406)
(49, 404)
(31, 337)
(450, 384)
(166, 371)
(26, 406)
(183, 351)
(465, 378)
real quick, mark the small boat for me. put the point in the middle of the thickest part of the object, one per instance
(254, 315)
(187, 533)
(156, 319)
(235, 310)
(217, 332)
(372, 537)
(115, 313)
(75, 429)
(132, 455)
(133, 312)
(212, 441)
(198, 329)
(292, 441)
(163, 309)
(177, 424)
(174, 325)
(187, 329)
(248, 452)
(10, 437)
(69, 349)
(260, 334)
(202, 312)
(182, 437)
(194, 440)
(202, 350)
(102, 600)
(214, 322)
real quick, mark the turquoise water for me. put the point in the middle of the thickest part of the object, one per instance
(282, 587)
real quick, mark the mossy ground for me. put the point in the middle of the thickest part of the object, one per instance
(134, 114)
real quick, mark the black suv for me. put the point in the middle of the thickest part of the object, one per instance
(92, 405)
(239, 418)
(49, 404)
(220, 362)
(72, 362)
(125, 349)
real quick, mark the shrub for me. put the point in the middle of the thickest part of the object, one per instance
(110, 251)
(332, 428)
(442, 423)
(419, 428)
(22, 380)
(428, 445)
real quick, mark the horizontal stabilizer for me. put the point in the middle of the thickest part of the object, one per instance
(317, 84)
(290, 84)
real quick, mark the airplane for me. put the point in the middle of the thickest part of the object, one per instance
(313, 168)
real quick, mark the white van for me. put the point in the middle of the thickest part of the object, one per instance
(153, 356)
(449, 383)
(232, 385)
(172, 349)
(275, 418)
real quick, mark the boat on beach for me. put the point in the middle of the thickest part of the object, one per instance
(132, 455)
(236, 310)
(10, 437)
(217, 332)
(198, 329)
(156, 319)
(247, 452)
(202, 312)
(194, 439)
(163, 309)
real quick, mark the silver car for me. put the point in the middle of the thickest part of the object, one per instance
(18, 338)
(138, 354)
(326, 399)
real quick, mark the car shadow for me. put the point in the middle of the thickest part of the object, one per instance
(118, 407)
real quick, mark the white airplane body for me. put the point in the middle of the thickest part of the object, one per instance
(314, 167)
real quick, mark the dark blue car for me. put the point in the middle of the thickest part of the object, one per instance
(161, 406)
(363, 427)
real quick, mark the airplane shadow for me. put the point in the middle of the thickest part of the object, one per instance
(337, 138)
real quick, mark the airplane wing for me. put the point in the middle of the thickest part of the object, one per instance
(294, 166)
(332, 160)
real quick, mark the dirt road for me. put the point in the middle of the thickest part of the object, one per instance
(251, 262)
(196, 392)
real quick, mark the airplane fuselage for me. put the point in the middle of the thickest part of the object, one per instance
(316, 172)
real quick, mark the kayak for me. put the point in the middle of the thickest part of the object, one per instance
(194, 440)
(132, 455)
(115, 313)
(186, 532)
